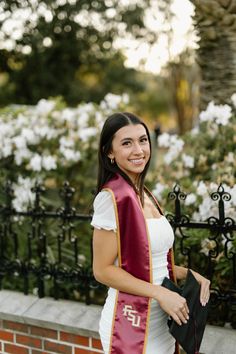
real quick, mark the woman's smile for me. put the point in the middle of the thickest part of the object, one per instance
(131, 150)
(139, 161)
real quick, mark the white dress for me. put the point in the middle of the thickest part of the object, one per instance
(161, 235)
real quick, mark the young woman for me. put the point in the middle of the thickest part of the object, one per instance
(132, 247)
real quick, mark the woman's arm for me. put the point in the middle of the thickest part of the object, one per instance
(181, 273)
(104, 254)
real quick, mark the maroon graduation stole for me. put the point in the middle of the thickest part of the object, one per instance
(131, 313)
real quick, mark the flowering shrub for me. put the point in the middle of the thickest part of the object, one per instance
(53, 143)
(201, 160)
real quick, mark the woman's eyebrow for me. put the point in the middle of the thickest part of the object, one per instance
(128, 138)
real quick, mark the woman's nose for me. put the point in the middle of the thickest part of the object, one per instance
(138, 149)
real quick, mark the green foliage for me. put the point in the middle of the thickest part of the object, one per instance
(199, 162)
(66, 48)
(51, 143)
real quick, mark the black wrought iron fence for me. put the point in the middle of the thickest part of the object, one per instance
(43, 249)
(49, 249)
(213, 252)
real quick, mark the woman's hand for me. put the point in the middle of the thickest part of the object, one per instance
(205, 288)
(181, 273)
(173, 304)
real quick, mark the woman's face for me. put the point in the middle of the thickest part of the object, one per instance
(131, 150)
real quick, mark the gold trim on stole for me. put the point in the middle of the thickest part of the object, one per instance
(171, 251)
(119, 259)
(151, 279)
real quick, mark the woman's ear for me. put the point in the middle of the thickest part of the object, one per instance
(110, 155)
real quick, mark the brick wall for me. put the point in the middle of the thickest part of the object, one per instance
(19, 338)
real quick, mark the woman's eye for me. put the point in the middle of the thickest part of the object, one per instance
(126, 143)
(143, 140)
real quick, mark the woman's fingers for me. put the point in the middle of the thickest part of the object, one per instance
(205, 288)
(177, 319)
(174, 305)
(183, 316)
(205, 292)
(181, 313)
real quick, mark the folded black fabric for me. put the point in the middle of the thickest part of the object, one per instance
(189, 335)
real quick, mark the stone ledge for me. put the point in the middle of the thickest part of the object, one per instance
(71, 316)
(218, 340)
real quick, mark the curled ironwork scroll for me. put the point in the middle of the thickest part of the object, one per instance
(220, 257)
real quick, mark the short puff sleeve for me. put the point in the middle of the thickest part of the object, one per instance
(104, 213)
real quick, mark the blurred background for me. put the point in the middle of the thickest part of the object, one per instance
(65, 65)
(81, 50)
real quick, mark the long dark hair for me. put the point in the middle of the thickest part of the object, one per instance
(106, 170)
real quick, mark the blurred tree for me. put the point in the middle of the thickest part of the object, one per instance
(181, 74)
(65, 47)
(216, 26)
(183, 83)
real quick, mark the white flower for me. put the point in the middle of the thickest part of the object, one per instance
(229, 243)
(68, 115)
(213, 186)
(202, 189)
(170, 156)
(164, 140)
(111, 101)
(6, 149)
(208, 208)
(125, 98)
(23, 194)
(70, 155)
(158, 190)
(29, 136)
(176, 146)
(207, 245)
(209, 113)
(83, 120)
(66, 142)
(46, 132)
(218, 113)
(230, 157)
(99, 119)
(195, 131)
(21, 121)
(233, 99)
(20, 155)
(35, 163)
(86, 133)
(81, 258)
(83, 113)
(196, 216)
(19, 141)
(5, 129)
(233, 195)
(224, 119)
(188, 161)
(44, 107)
(190, 199)
(49, 163)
